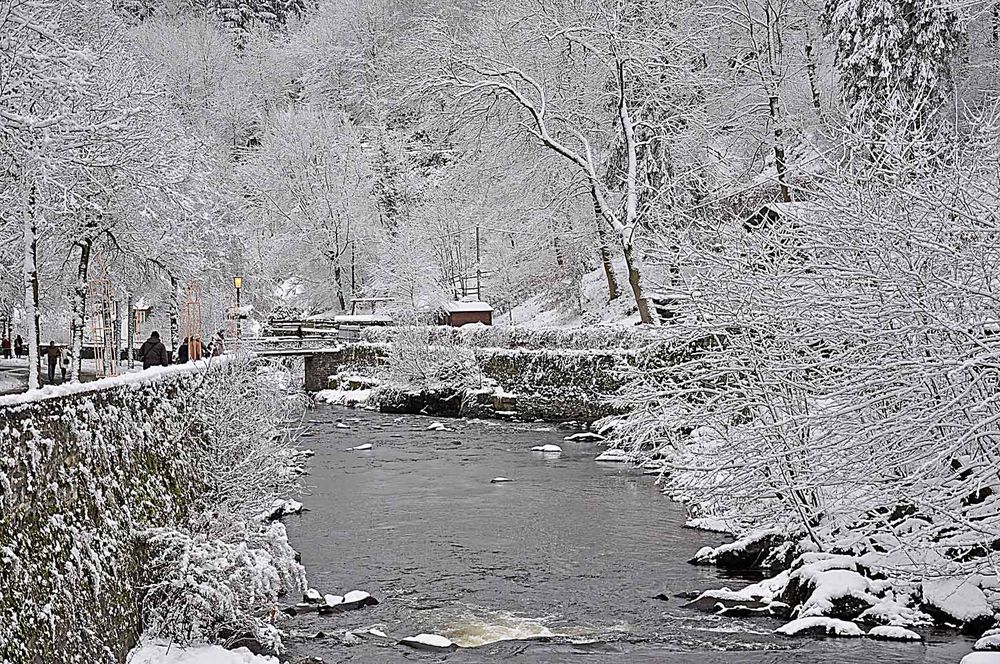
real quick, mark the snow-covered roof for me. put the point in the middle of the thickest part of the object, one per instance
(467, 307)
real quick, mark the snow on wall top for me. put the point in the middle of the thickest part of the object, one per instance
(132, 378)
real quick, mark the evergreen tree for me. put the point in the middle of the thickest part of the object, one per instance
(895, 57)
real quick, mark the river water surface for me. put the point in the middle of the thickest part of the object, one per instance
(559, 566)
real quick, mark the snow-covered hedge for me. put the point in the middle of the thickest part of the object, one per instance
(91, 479)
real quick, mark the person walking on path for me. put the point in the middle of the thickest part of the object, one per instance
(182, 352)
(18, 346)
(52, 353)
(64, 362)
(153, 352)
(6, 348)
(219, 343)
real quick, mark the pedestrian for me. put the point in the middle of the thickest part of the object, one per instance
(219, 343)
(5, 344)
(52, 353)
(153, 352)
(18, 346)
(182, 352)
(65, 360)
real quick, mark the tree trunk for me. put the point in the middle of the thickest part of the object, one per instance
(338, 277)
(130, 330)
(31, 292)
(634, 267)
(614, 291)
(175, 294)
(79, 310)
(779, 147)
(811, 73)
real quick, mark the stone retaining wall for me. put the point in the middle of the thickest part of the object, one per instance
(83, 469)
(552, 385)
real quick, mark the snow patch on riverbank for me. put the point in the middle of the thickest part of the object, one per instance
(159, 652)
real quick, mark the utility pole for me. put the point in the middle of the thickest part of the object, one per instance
(479, 271)
(354, 287)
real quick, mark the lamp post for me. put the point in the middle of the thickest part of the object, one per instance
(238, 283)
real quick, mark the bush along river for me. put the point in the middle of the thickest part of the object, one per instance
(572, 560)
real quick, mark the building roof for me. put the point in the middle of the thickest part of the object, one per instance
(467, 307)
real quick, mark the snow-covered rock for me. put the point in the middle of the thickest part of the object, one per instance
(281, 508)
(433, 642)
(836, 593)
(988, 641)
(356, 599)
(548, 449)
(820, 626)
(613, 455)
(957, 601)
(761, 548)
(981, 658)
(436, 426)
(890, 611)
(500, 480)
(313, 596)
(727, 602)
(333, 600)
(890, 633)
(343, 425)
(377, 632)
(361, 448)
(584, 437)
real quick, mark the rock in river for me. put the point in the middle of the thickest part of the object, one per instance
(613, 455)
(431, 642)
(585, 437)
(548, 449)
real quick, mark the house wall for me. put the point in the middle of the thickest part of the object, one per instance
(460, 318)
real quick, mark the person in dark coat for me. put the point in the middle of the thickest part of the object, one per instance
(153, 352)
(52, 353)
(18, 346)
(182, 352)
(6, 348)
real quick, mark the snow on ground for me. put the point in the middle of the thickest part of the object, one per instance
(165, 653)
(353, 398)
(548, 311)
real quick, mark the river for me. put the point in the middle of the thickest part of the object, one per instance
(559, 566)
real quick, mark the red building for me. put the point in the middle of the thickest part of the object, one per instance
(457, 314)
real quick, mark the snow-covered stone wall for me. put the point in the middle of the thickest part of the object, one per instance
(538, 383)
(83, 470)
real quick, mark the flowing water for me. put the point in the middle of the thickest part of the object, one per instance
(559, 566)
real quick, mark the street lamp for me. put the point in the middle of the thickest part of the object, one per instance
(238, 283)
